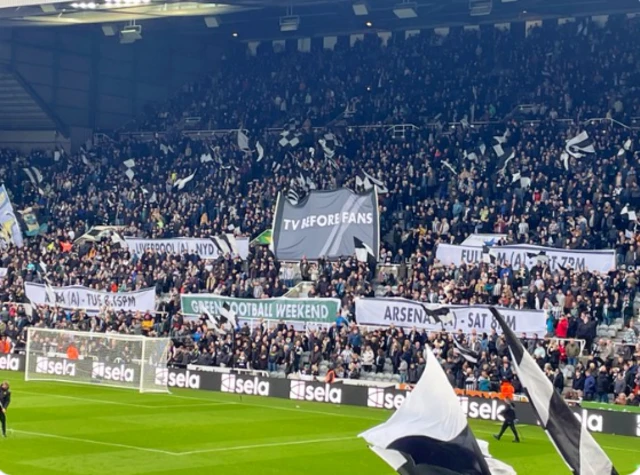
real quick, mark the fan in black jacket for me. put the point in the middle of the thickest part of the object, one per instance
(509, 415)
(5, 400)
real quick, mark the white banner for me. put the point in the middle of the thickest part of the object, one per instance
(483, 239)
(408, 314)
(78, 296)
(204, 247)
(521, 255)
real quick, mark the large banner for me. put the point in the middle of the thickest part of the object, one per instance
(407, 313)
(325, 224)
(9, 226)
(323, 311)
(204, 247)
(521, 255)
(78, 296)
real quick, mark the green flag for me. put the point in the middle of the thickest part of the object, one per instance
(263, 240)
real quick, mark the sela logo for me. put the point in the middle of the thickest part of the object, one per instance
(377, 397)
(638, 426)
(303, 391)
(232, 383)
(112, 373)
(60, 368)
(489, 411)
(591, 422)
(187, 380)
(10, 363)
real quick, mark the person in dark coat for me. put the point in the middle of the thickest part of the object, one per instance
(589, 386)
(603, 383)
(558, 381)
(509, 415)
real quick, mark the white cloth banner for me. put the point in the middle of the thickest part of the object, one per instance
(408, 313)
(521, 255)
(204, 247)
(483, 239)
(78, 296)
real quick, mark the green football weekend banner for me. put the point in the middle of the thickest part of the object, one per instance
(320, 310)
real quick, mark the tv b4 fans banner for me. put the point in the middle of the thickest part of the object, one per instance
(324, 225)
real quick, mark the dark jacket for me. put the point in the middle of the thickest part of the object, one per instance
(5, 398)
(603, 383)
(590, 385)
(509, 413)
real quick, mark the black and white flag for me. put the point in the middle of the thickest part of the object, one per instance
(469, 355)
(364, 253)
(445, 163)
(221, 322)
(501, 139)
(540, 257)
(182, 182)
(289, 138)
(524, 182)
(226, 244)
(580, 145)
(293, 197)
(34, 175)
(429, 434)
(441, 315)
(329, 145)
(366, 182)
(504, 157)
(571, 439)
(489, 255)
(243, 141)
(260, 151)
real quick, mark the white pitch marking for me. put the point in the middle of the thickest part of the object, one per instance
(76, 398)
(126, 404)
(95, 442)
(264, 446)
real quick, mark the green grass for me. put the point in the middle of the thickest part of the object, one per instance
(90, 430)
(609, 407)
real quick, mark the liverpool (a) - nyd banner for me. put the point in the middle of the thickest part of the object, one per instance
(78, 296)
(324, 225)
(206, 248)
(291, 310)
(521, 255)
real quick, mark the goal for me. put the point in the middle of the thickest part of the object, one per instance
(106, 359)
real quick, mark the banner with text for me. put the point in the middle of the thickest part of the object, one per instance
(78, 296)
(322, 311)
(204, 247)
(521, 255)
(407, 313)
(325, 224)
(10, 232)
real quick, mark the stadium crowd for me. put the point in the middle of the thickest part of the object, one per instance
(444, 182)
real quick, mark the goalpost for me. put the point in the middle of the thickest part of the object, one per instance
(106, 359)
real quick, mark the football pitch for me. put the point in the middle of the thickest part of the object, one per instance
(57, 428)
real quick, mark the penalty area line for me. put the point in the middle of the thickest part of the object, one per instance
(94, 442)
(264, 446)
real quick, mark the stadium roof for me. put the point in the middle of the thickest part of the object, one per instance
(262, 19)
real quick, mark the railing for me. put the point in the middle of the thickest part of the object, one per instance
(396, 130)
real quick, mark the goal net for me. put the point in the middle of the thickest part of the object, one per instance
(107, 359)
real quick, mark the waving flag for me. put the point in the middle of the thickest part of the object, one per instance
(573, 442)
(429, 434)
(579, 145)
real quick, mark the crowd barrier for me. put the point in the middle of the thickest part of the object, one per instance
(490, 409)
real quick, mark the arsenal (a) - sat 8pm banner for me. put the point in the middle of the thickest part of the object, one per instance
(324, 225)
